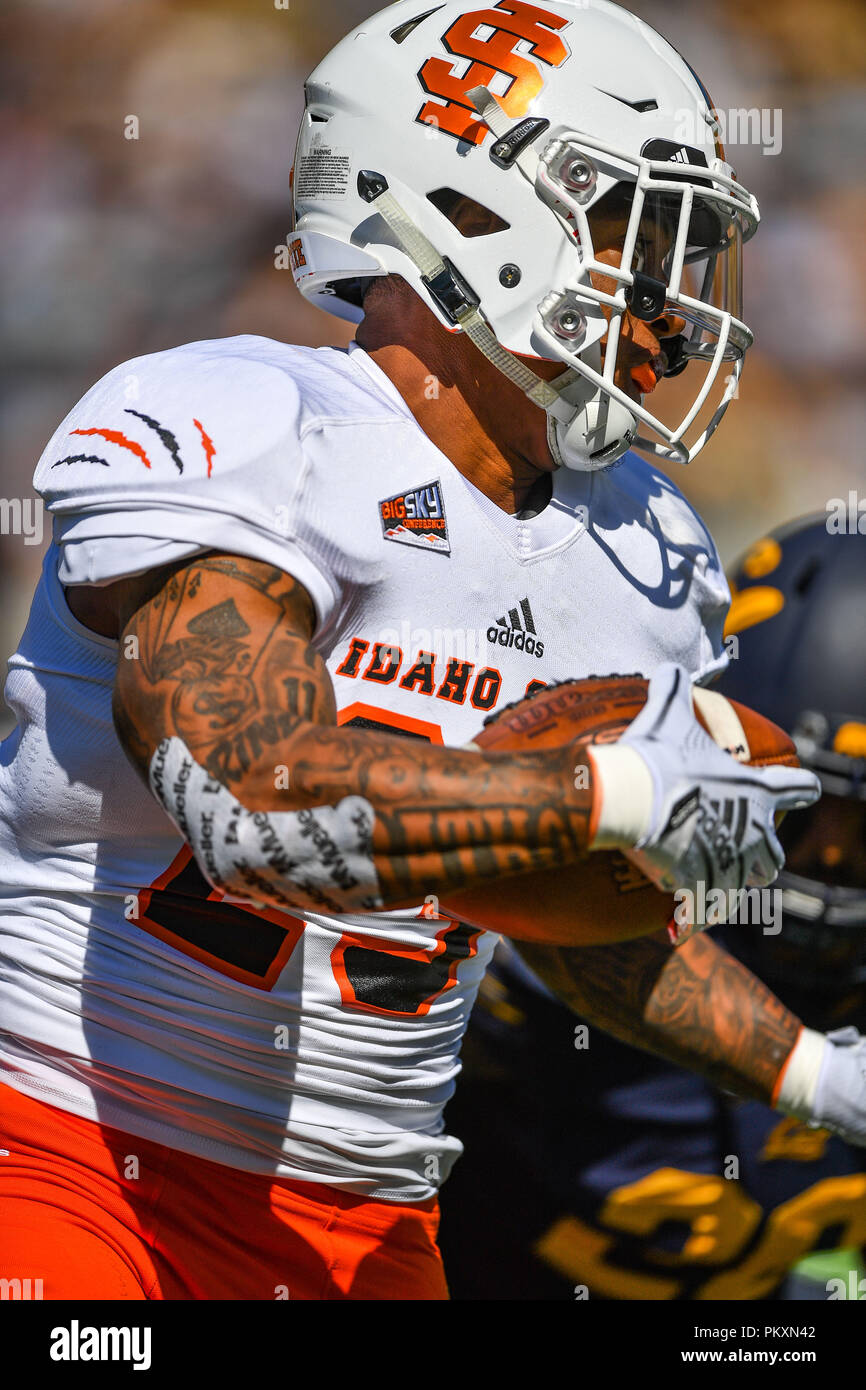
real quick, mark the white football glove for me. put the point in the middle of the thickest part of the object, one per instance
(824, 1083)
(681, 808)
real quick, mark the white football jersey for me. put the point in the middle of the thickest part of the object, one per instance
(321, 1049)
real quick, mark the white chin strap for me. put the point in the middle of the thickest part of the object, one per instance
(598, 432)
(583, 432)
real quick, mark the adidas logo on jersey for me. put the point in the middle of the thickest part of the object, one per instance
(517, 629)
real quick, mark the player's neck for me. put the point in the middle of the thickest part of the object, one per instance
(486, 427)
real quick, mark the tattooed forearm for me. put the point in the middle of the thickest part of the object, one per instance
(696, 1005)
(221, 658)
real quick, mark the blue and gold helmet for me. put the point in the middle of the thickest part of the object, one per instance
(797, 635)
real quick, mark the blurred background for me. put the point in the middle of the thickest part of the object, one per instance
(113, 247)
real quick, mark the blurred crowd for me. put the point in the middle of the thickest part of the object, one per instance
(145, 148)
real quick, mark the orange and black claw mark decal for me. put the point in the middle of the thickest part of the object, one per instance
(207, 444)
(165, 435)
(117, 437)
(81, 458)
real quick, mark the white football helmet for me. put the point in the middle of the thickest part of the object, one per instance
(547, 115)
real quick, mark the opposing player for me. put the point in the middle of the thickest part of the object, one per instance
(638, 1180)
(225, 1008)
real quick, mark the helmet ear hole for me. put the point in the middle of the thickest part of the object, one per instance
(804, 579)
(352, 291)
(471, 218)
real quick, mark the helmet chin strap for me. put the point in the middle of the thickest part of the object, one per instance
(581, 434)
(452, 295)
(568, 444)
(598, 432)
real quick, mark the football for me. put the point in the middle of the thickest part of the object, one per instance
(603, 898)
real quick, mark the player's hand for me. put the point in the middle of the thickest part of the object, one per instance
(824, 1083)
(684, 810)
(840, 1097)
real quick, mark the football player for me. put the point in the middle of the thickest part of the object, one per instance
(236, 788)
(638, 1180)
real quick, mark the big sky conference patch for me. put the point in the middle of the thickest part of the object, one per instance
(416, 517)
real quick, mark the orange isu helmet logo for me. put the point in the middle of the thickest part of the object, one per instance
(493, 51)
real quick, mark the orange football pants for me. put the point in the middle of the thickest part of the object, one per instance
(95, 1213)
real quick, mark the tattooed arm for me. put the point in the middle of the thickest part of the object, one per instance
(217, 652)
(694, 1005)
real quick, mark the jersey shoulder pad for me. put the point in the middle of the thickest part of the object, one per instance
(196, 413)
(197, 447)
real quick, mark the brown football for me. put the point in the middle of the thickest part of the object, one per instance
(603, 898)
